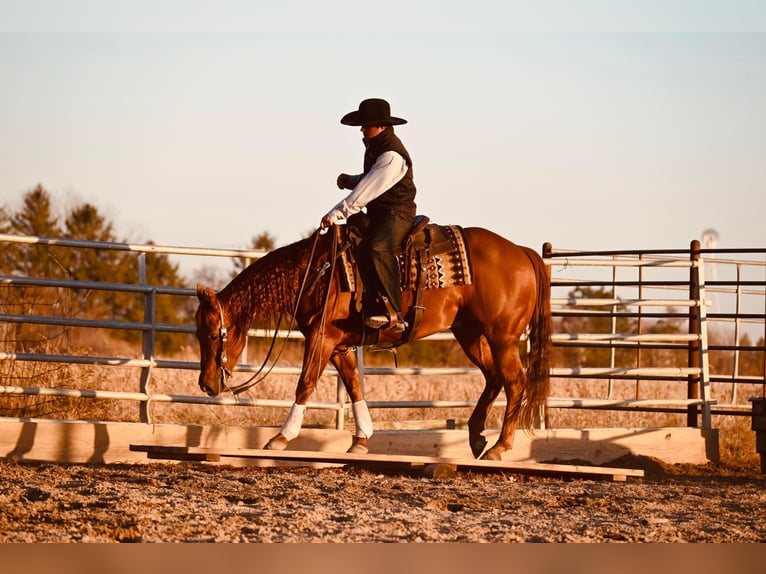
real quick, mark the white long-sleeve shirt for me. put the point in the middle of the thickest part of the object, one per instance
(389, 168)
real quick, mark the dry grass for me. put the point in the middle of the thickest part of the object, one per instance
(737, 443)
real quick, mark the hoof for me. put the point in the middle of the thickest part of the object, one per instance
(277, 443)
(477, 446)
(492, 454)
(359, 446)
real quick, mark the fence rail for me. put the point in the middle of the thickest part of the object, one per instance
(669, 286)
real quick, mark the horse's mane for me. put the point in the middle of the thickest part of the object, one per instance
(269, 286)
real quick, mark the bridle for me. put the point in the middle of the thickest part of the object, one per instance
(222, 357)
(307, 280)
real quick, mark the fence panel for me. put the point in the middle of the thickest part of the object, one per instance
(635, 306)
(664, 302)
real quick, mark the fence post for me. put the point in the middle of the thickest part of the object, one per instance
(693, 384)
(698, 386)
(147, 338)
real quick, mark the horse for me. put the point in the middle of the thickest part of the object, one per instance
(509, 293)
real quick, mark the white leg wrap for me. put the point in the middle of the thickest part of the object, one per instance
(362, 419)
(292, 426)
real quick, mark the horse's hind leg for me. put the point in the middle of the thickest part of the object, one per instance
(509, 370)
(348, 368)
(478, 351)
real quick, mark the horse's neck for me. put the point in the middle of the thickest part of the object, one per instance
(269, 286)
(239, 303)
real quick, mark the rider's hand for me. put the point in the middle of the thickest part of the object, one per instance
(327, 221)
(345, 181)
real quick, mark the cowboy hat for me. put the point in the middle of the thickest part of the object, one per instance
(372, 112)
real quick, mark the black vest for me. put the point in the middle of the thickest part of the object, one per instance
(401, 196)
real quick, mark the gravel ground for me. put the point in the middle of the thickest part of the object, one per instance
(164, 502)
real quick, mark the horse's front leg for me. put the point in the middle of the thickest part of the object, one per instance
(314, 361)
(348, 368)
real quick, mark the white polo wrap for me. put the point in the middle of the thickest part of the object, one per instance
(362, 419)
(292, 426)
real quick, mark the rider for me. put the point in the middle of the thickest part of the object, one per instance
(386, 188)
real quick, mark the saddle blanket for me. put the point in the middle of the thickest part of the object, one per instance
(435, 257)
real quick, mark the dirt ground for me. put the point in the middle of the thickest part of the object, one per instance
(187, 502)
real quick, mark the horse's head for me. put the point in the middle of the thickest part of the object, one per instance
(220, 342)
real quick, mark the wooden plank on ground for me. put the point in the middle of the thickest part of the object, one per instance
(180, 453)
(174, 452)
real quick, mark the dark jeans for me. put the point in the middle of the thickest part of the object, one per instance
(383, 237)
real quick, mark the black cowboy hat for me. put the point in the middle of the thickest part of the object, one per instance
(372, 112)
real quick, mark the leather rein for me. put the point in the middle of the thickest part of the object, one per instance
(260, 375)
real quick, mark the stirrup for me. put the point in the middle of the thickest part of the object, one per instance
(376, 321)
(399, 327)
(393, 326)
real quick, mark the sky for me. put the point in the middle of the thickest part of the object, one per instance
(590, 125)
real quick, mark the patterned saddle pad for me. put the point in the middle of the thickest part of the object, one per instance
(432, 257)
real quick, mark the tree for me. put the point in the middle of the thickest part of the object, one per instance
(36, 217)
(263, 242)
(129, 307)
(161, 271)
(85, 222)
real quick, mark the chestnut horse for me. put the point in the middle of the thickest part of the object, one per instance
(510, 291)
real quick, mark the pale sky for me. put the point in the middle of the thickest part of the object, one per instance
(592, 125)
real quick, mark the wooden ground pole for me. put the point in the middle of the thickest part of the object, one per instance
(385, 460)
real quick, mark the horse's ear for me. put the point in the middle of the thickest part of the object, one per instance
(205, 294)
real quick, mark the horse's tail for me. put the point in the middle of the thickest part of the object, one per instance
(539, 357)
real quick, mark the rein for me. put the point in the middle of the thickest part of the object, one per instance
(259, 375)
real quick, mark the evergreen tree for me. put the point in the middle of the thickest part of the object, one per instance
(97, 265)
(36, 218)
(161, 271)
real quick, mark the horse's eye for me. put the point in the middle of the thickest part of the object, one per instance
(214, 337)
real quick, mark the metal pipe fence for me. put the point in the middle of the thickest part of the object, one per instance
(649, 291)
(666, 287)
